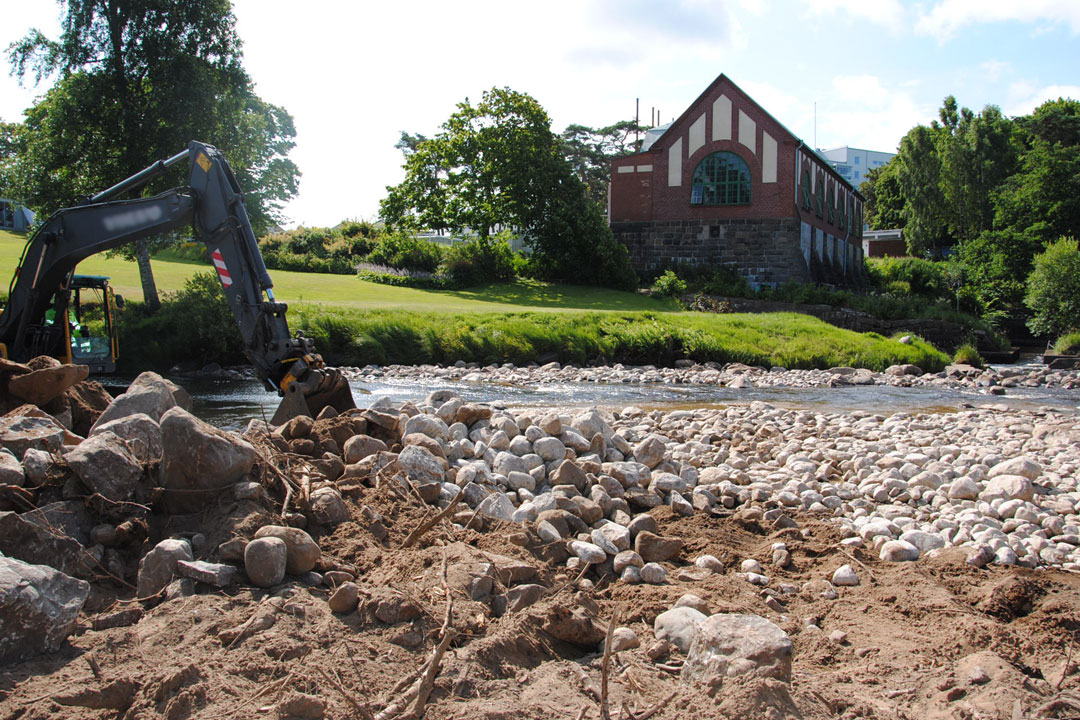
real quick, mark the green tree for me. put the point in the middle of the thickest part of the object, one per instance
(135, 81)
(919, 175)
(497, 165)
(1043, 197)
(977, 155)
(1053, 289)
(884, 201)
(590, 151)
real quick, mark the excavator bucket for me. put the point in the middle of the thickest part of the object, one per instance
(319, 390)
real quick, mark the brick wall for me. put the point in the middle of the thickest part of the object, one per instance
(763, 250)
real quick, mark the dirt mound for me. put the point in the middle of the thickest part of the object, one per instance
(933, 639)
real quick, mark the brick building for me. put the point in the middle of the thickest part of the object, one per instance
(726, 184)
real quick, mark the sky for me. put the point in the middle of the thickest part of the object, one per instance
(355, 73)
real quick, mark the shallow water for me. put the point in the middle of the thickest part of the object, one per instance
(231, 403)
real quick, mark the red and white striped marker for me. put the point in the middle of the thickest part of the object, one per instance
(222, 271)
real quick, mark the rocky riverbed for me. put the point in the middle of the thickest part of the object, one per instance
(992, 380)
(747, 561)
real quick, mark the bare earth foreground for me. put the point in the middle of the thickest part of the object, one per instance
(501, 608)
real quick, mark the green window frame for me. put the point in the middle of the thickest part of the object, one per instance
(721, 178)
(832, 205)
(820, 209)
(807, 195)
(841, 213)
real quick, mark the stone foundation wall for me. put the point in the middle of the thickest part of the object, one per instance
(765, 251)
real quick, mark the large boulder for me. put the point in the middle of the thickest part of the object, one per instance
(650, 451)
(729, 644)
(31, 542)
(19, 433)
(105, 465)
(198, 460)
(141, 433)
(359, 447)
(655, 548)
(1022, 466)
(589, 423)
(420, 465)
(1009, 487)
(149, 394)
(429, 425)
(153, 380)
(69, 517)
(42, 386)
(38, 608)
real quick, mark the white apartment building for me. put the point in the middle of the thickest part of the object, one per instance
(854, 163)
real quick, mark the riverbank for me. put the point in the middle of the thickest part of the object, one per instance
(467, 560)
(995, 380)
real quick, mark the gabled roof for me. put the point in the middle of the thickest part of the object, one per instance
(792, 137)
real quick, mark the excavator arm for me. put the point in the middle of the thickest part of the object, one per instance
(213, 203)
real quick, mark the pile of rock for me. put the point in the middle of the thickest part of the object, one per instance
(1002, 484)
(74, 507)
(734, 375)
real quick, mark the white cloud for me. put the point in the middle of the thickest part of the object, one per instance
(1025, 97)
(889, 13)
(863, 112)
(994, 69)
(948, 16)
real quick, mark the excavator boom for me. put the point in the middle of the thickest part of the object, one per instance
(213, 203)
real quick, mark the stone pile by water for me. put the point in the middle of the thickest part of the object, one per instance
(992, 380)
(1001, 485)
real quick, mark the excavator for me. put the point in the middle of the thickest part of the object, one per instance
(212, 203)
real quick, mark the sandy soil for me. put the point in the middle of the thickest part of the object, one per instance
(932, 639)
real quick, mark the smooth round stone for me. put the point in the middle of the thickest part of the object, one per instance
(757, 579)
(624, 638)
(631, 575)
(653, 574)
(345, 598)
(693, 601)
(898, 551)
(627, 558)
(264, 561)
(303, 552)
(587, 552)
(845, 575)
(710, 563)
(751, 566)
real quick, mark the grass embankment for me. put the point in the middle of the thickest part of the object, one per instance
(786, 339)
(355, 322)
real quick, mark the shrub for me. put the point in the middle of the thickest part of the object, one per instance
(924, 278)
(668, 285)
(968, 354)
(402, 250)
(194, 324)
(1053, 289)
(478, 261)
(1068, 344)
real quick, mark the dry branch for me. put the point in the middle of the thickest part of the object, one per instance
(418, 533)
(606, 664)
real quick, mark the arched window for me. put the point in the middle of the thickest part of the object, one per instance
(721, 178)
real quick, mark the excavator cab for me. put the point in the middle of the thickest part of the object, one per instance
(92, 336)
(79, 325)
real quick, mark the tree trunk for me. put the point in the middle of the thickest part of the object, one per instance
(146, 276)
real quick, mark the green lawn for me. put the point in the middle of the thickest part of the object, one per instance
(356, 322)
(346, 291)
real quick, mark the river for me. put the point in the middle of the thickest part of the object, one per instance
(231, 403)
